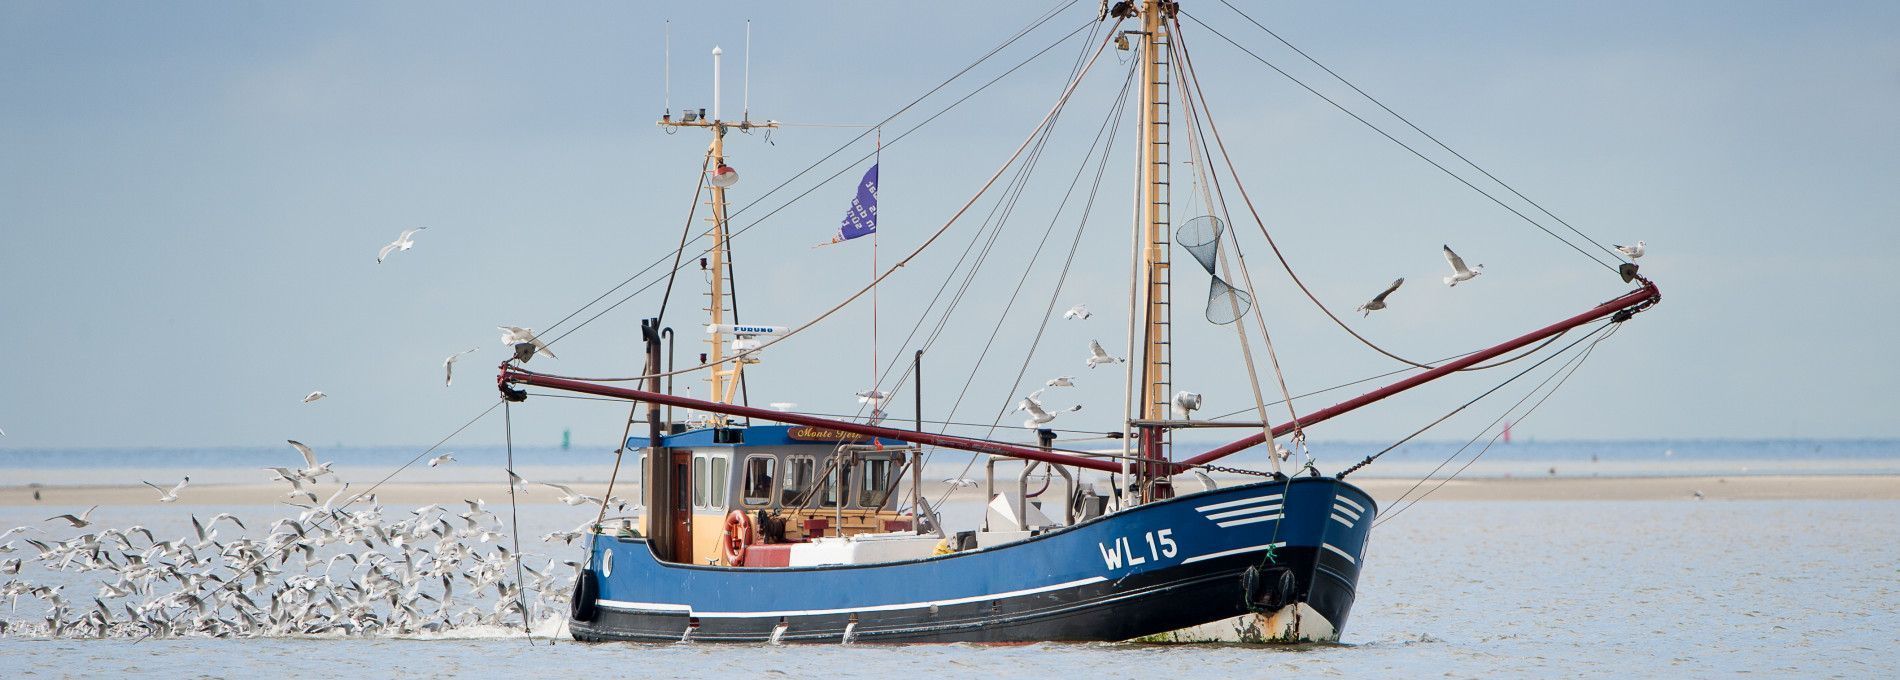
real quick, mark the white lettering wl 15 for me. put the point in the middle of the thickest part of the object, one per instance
(1121, 551)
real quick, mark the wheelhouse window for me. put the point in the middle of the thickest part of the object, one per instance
(699, 481)
(719, 482)
(800, 473)
(877, 477)
(757, 486)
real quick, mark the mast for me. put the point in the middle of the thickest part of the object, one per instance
(718, 263)
(1154, 216)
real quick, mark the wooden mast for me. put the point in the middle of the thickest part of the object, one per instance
(1154, 215)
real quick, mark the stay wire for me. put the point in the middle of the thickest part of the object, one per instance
(1233, 174)
(1408, 123)
(840, 149)
(1369, 459)
(1407, 147)
(815, 187)
(1494, 438)
(514, 518)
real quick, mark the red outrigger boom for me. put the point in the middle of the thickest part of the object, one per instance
(1626, 305)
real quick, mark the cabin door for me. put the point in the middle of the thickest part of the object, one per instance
(682, 515)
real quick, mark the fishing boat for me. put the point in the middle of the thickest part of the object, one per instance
(775, 525)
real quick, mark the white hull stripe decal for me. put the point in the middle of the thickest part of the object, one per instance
(1249, 520)
(1343, 510)
(1342, 520)
(1339, 552)
(1244, 511)
(1348, 501)
(688, 609)
(1235, 551)
(1243, 501)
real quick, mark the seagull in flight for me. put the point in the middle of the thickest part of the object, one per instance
(1078, 312)
(404, 242)
(959, 482)
(1460, 273)
(444, 458)
(1097, 355)
(312, 469)
(1634, 251)
(571, 497)
(172, 495)
(448, 366)
(783, 405)
(1061, 381)
(871, 396)
(313, 396)
(515, 335)
(1038, 415)
(80, 522)
(1378, 302)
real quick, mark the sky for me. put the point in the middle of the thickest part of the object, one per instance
(192, 196)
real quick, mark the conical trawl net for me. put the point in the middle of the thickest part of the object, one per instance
(1201, 238)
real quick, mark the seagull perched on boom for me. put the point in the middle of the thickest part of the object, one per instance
(1097, 355)
(404, 242)
(513, 336)
(1460, 273)
(1378, 302)
(1633, 252)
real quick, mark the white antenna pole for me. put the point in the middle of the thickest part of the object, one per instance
(745, 114)
(716, 53)
(666, 77)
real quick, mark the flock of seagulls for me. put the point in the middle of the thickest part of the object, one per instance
(327, 570)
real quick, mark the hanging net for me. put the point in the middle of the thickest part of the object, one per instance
(1201, 238)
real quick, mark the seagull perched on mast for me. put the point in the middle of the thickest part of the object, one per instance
(448, 365)
(1459, 273)
(515, 336)
(1097, 355)
(403, 242)
(1378, 302)
(1037, 414)
(169, 496)
(1634, 251)
(1078, 312)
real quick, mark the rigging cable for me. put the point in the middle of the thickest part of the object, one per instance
(514, 518)
(820, 184)
(1578, 363)
(1232, 173)
(901, 263)
(1533, 222)
(900, 111)
(1427, 135)
(1369, 459)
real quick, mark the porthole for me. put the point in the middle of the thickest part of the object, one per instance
(607, 563)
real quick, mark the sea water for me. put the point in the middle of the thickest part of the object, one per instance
(1672, 588)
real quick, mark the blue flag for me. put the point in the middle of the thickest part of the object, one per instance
(861, 218)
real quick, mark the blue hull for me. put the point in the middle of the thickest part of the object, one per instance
(1151, 569)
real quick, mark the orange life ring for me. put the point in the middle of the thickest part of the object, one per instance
(738, 537)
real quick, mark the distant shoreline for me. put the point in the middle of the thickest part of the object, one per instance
(1712, 488)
